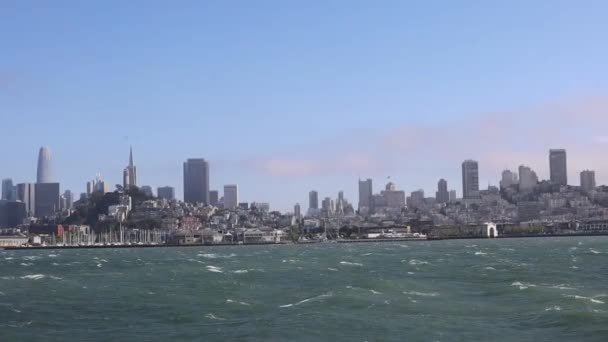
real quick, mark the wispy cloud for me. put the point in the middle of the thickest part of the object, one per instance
(496, 139)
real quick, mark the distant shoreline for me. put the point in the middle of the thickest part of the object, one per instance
(308, 242)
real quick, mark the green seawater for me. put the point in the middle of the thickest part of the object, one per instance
(540, 289)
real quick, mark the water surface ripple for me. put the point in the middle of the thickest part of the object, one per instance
(468, 290)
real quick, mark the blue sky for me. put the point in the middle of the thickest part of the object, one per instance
(287, 96)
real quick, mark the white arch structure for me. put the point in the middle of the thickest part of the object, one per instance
(491, 230)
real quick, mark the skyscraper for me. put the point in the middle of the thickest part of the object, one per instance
(68, 199)
(26, 193)
(214, 198)
(527, 178)
(442, 195)
(231, 196)
(313, 200)
(129, 175)
(365, 193)
(588, 180)
(44, 174)
(452, 195)
(297, 211)
(508, 178)
(196, 181)
(47, 199)
(166, 192)
(558, 166)
(8, 189)
(470, 179)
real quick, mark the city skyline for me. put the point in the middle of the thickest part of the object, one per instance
(196, 174)
(281, 106)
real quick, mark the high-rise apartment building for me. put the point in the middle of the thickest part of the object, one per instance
(588, 180)
(470, 179)
(231, 196)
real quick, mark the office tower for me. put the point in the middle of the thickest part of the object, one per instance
(231, 196)
(326, 206)
(12, 213)
(297, 211)
(442, 195)
(46, 199)
(8, 189)
(588, 180)
(416, 198)
(452, 195)
(391, 197)
(196, 181)
(508, 179)
(365, 193)
(166, 192)
(26, 193)
(214, 198)
(146, 189)
(44, 174)
(558, 166)
(68, 199)
(313, 200)
(129, 175)
(527, 178)
(470, 179)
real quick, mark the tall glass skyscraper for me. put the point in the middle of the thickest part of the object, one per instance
(44, 166)
(365, 193)
(558, 166)
(196, 181)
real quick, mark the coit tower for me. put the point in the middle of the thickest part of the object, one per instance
(44, 166)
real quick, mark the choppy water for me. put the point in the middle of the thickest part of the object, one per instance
(468, 290)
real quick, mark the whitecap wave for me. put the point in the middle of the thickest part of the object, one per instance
(375, 292)
(26, 264)
(421, 294)
(415, 262)
(214, 269)
(554, 308)
(591, 299)
(308, 300)
(351, 263)
(34, 276)
(591, 250)
(237, 302)
(522, 286)
(332, 269)
(212, 316)
(480, 253)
